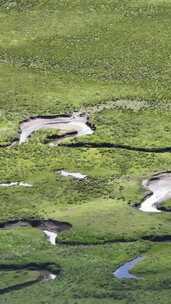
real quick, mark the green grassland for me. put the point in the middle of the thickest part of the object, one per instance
(112, 59)
(60, 55)
(142, 128)
(87, 272)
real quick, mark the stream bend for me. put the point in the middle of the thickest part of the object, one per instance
(74, 125)
(46, 272)
(50, 227)
(123, 271)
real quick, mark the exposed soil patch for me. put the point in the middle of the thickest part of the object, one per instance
(45, 273)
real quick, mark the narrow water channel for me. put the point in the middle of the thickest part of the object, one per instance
(123, 271)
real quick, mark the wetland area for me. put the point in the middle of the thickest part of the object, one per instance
(85, 152)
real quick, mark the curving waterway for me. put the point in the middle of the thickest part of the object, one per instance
(123, 271)
(68, 126)
(44, 275)
(50, 227)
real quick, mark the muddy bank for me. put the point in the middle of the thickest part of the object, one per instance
(159, 186)
(123, 271)
(74, 125)
(50, 227)
(76, 175)
(46, 272)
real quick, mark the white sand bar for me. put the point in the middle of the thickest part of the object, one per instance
(76, 123)
(160, 186)
(52, 276)
(14, 184)
(51, 236)
(76, 175)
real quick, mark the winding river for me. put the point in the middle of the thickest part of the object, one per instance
(123, 271)
(69, 126)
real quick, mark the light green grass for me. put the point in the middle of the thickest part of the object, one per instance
(143, 128)
(60, 56)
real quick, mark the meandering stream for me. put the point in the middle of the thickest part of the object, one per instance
(50, 227)
(123, 271)
(44, 275)
(75, 125)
